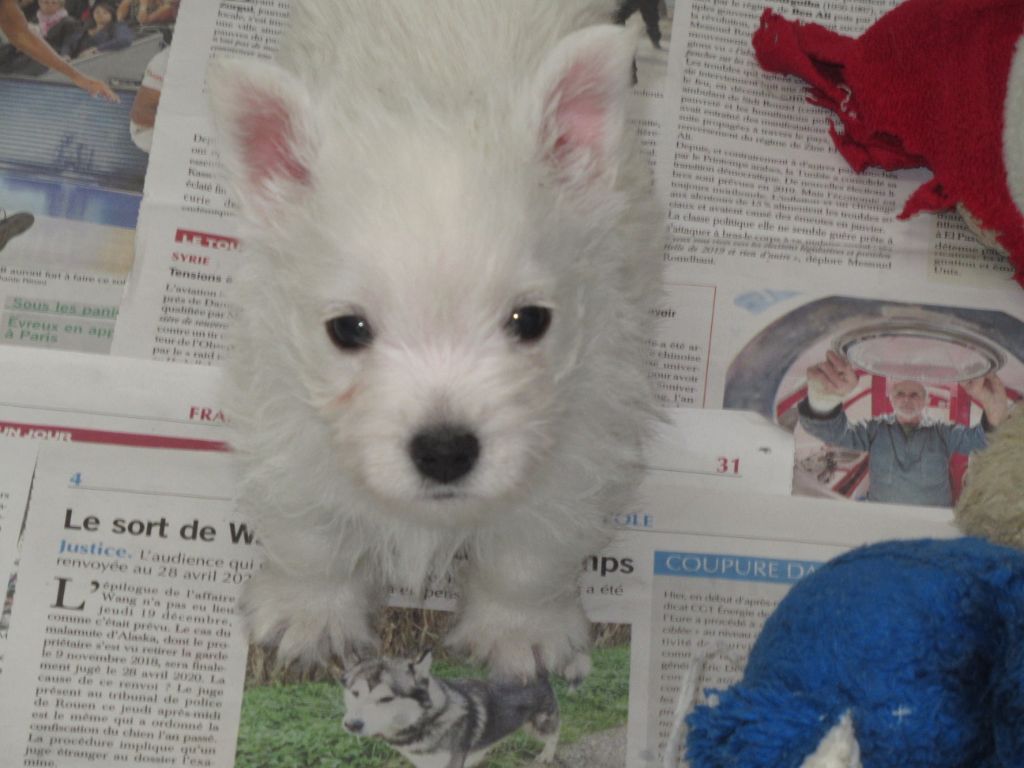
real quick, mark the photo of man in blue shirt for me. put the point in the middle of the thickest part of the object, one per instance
(908, 454)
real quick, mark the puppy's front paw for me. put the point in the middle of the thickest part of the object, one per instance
(513, 642)
(308, 622)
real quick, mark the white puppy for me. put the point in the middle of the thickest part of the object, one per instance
(453, 248)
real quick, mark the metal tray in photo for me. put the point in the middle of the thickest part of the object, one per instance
(917, 350)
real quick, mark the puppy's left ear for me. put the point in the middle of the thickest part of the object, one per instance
(578, 102)
(266, 130)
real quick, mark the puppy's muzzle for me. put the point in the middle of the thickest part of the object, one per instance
(444, 453)
(354, 726)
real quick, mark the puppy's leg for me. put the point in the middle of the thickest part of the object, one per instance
(515, 600)
(310, 618)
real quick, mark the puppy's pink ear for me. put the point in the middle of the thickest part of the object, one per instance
(583, 87)
(266, 131)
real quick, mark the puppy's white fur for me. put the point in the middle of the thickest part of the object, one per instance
(432, 167)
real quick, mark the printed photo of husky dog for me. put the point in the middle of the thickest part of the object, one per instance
(445, 723)
(296, 717)
(452, 246)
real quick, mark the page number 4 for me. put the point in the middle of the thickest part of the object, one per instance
(76, 479)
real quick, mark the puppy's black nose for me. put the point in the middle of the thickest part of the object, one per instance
(444, 453)
(355, 726)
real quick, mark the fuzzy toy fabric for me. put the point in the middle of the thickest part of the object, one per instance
(992, 503)
(935, 83)
(906, 653)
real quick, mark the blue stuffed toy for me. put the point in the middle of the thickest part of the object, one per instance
(905, 654)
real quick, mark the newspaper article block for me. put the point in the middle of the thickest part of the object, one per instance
(679, 354)
(124, 629)
(699, 609)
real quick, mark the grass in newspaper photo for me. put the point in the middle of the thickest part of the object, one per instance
(294, 720)
(886, 400)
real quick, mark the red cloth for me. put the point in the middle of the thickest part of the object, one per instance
(924, 86)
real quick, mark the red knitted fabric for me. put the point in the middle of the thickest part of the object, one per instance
(926, 85)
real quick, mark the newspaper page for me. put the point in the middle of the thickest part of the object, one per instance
(83, 398)
(124, 630)
(72, 170)
(714, 566)
(76, 397)
(177, 305)
(187, 250)
(781, 256)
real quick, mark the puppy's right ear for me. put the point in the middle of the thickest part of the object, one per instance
(577, 104)
(266, 130)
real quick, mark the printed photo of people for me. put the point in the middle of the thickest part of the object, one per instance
(887, 401)
(79, 83)
(652, 51)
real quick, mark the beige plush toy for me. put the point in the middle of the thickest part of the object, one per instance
(992, 503)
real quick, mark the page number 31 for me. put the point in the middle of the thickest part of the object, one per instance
(727, 466)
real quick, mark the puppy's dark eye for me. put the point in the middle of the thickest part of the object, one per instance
(385, 699)
(529, 323)
(350, 332)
